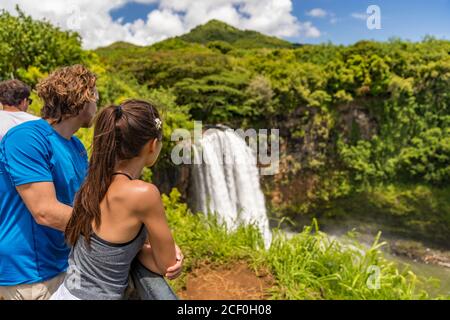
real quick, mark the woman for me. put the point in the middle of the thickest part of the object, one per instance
(115, 213)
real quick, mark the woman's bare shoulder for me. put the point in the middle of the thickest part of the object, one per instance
(141, 196)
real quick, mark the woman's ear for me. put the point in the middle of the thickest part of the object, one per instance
(153, 145)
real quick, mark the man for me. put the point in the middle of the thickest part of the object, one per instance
(42, 166)
(15, 99)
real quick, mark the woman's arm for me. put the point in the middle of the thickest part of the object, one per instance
(146, 257)
(161, 255)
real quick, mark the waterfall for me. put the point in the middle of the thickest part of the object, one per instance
(226, 181)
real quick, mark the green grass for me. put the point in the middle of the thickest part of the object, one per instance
(308, 265)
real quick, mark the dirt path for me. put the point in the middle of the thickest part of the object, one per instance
(232, 282)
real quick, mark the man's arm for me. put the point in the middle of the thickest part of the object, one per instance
(40, 199)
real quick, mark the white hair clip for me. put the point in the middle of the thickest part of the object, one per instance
(158, 123)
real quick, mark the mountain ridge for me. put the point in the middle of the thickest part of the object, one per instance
(217, 32)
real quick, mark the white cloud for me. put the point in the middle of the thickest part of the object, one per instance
(317, 13)
(310, 31)
(359, 16)
(91, 18)
(321, 14)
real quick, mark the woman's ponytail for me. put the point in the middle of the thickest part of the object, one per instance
(120, 134)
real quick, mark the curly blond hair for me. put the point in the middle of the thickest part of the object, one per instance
(66, 91)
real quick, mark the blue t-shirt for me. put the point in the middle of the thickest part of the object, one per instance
(35, 152)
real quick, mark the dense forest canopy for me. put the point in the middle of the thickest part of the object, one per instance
(364, 114)
(378, 110)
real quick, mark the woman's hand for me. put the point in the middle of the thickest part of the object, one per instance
(174, 271)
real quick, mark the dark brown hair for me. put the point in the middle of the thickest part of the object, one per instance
(13, 92)
(66, 91)
(120, 134)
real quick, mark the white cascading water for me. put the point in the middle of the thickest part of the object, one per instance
(227, 181)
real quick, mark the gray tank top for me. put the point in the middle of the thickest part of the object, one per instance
(100, 271)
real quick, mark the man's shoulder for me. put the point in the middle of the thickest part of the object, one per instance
(28, 116)
(29, 127)
(18, 116)
(27, 132)
(10, 120)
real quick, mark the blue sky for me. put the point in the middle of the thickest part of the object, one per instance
(144, 22)
(408, 19)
